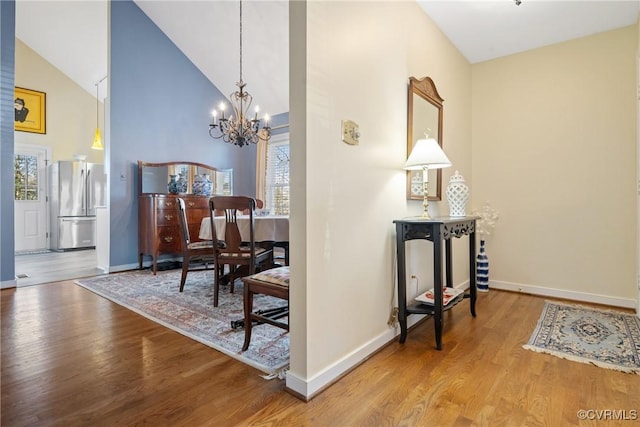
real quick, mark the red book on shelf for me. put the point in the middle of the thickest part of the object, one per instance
(448, 295)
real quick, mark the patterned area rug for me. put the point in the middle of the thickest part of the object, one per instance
(191, 312)
(604, 338)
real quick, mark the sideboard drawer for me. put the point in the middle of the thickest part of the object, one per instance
(168, 217)
(167, 203)
(196, 203)
(169, 240)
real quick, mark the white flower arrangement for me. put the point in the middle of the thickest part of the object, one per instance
(487, 222)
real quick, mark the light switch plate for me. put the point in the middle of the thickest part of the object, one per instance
(350, 132)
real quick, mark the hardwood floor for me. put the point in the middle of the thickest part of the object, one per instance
(72, 358)
(48, 267)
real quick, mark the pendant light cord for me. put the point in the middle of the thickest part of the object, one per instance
(97, 105)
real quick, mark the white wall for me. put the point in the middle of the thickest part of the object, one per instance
(638, 169)
(554, 149)
(359, 56)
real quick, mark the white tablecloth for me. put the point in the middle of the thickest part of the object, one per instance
(267, 228)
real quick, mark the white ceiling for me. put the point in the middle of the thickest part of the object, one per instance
(483, 29)
(72, 35)
(212, 43)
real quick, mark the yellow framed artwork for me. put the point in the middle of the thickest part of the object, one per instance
(30, 110)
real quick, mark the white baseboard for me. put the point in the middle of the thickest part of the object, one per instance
(123, 267)
(561, 293)
(135, 266)
(309, 388)
(7, 284)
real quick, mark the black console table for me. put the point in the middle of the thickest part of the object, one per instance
(435, 230)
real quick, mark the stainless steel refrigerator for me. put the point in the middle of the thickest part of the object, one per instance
(77, 187)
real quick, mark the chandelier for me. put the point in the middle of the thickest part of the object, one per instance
(239, 129)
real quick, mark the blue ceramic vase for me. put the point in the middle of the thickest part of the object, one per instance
(482, 269)
(173, 185)
(202, 185)
(182, 184)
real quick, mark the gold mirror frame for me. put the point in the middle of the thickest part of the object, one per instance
(423, 100)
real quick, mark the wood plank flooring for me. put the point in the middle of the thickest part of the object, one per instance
(72, 358)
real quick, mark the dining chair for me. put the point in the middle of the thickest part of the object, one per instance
(242, 256)
(259, 205)
(196, 256)
(274, 283)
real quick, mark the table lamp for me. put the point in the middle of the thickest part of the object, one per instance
(426, 154)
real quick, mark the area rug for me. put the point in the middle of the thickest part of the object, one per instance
(192, 314)
(605, 338)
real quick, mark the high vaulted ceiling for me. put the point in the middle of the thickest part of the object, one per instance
(72, 35)
(484, 30)
(212, 43)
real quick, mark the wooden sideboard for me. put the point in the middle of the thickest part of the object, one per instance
(158, 213)
(159, 224)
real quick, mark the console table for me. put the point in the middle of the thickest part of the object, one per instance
(435, 230)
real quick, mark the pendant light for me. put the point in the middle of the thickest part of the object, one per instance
(97, 140)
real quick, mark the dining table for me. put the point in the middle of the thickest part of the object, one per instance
(267, 229)
(270, 228)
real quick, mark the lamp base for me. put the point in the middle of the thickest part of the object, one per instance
(425, 193)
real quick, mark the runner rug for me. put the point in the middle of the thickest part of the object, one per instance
(192, 314)
(605, 338)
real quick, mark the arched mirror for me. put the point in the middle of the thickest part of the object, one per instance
(424, 118)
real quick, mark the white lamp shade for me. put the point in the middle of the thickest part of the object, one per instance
(427, 152)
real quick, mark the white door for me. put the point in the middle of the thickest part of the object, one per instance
(31, 216)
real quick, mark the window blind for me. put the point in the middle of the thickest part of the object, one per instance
(277, 187)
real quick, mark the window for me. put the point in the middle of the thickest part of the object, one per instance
(277, 175)
(26, 177)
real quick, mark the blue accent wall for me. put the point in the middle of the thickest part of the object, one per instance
(7, 79)
(160, 106)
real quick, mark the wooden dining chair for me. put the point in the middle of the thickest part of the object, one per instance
(242, 256)
(196, 256)
(259, 205)
(275, 283)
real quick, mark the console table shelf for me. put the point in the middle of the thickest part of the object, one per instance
(422, 308)
(435, 230)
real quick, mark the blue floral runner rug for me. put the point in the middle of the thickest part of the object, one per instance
(605, 338)
(191, 312)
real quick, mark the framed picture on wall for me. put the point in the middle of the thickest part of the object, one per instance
(30, 109)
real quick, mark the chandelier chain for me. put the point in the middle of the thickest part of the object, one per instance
(241, 40)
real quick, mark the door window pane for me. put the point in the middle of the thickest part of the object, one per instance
(26, 177)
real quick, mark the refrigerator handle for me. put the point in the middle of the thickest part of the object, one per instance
(89, 203)
(84, 190)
